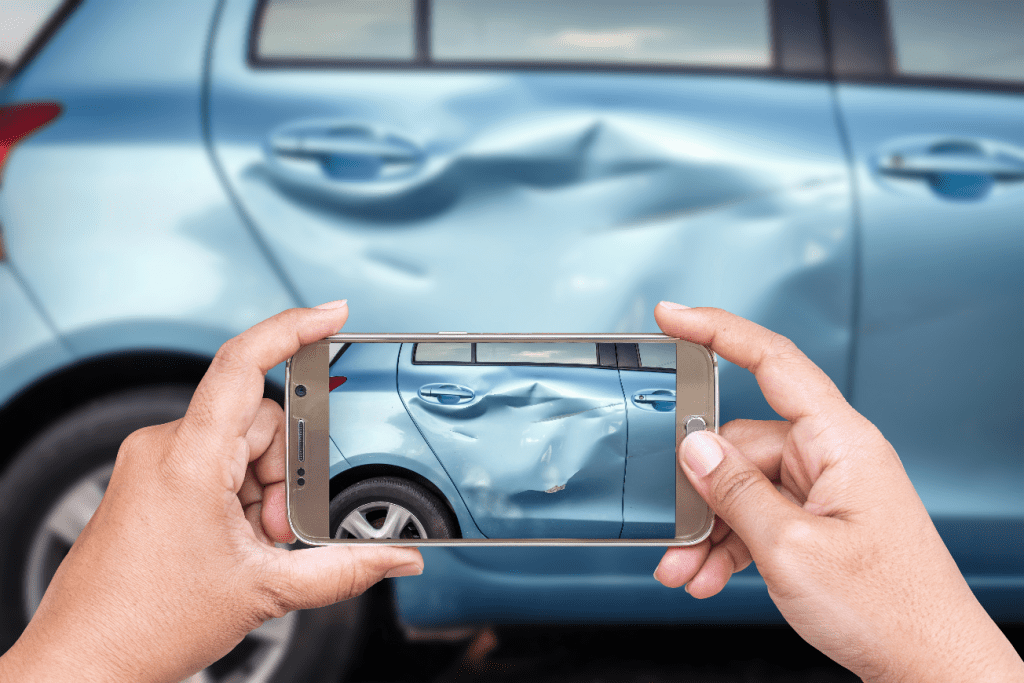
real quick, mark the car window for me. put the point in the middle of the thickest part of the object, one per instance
(657, 356)
(537, 352)
(724, 33)
(337, 29)
(440, 352)
(963, 39)
(20, 21)
(708, 32)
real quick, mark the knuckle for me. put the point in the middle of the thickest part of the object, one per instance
(734, 486)
(274, 598)
(230, 355)
(783, 348)
(793, 539)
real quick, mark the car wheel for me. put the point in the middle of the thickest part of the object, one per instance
(50, 491)
(390, 507)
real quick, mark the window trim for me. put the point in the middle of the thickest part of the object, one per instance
(620, 364)
(474, 361)
(422, 60)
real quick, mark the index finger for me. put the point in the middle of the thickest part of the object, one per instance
(793, 385)
(228, 397)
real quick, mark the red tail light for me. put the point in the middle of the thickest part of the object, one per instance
(335, 382)
(18, 121)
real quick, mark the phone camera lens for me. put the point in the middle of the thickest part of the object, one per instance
(302, 482)
(300, 390)
(302, 472)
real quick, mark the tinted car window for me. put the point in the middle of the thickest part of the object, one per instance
(700, 32)
(660, 356)
(970, 39)
(437, 352)
(333, 29)
(537, 352)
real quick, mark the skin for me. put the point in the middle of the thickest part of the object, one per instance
(179, 562)
(821, 503)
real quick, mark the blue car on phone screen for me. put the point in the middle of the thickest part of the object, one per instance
(848, 174)
(503, 440)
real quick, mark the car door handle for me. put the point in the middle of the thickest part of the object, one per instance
(341, 156)
(446, 394)
(923, 165)
(661, 400)
(314, 146)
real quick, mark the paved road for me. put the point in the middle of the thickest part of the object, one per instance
(605, 655)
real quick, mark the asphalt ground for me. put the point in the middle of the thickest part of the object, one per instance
(621, 654)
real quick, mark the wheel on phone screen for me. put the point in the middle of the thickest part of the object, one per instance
(390, 507)
(54, 484)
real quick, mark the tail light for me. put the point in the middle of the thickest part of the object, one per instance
(17, 122)
(335, 382)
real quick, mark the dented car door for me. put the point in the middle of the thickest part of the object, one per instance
(532, 434)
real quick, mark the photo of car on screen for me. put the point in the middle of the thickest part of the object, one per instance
(540, 440)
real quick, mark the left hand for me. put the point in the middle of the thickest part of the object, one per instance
(179, 561)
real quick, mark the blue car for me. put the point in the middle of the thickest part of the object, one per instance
(503, 440)
(849, 174)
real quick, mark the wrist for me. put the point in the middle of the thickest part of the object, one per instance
(38, 658)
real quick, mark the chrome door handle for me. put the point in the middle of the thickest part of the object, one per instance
(446, 394)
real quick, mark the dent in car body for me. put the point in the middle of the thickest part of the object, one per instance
(538, 453)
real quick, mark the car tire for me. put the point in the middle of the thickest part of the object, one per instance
(50, 489)
(373, 502)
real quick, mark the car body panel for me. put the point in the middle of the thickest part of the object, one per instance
(538, 452)
(939, 367)
(169, 264)
(649, 492)
(563, 201)
(29, 349)
(370, 425)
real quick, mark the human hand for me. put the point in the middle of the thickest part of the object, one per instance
(179, 562)
(823, 506)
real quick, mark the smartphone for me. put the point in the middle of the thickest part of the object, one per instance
(496, 439)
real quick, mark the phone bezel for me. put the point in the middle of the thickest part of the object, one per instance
(308, 505)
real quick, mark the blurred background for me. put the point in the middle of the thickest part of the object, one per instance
(849, 173)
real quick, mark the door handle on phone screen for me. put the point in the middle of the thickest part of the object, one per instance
(662, 400)
(446, 394)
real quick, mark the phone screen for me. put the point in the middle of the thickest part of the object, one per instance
(503, 440)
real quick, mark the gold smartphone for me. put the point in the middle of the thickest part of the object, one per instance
(496, 439)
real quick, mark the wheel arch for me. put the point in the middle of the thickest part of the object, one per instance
(354, 475)
(55, 395)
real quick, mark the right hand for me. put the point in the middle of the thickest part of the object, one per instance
(823, 506)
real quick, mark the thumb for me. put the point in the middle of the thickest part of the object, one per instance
(316, 577)
(735, 489)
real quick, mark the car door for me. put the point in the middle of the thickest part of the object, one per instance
(542, 167)
(532, 434)
(648, 376)
(933, 104)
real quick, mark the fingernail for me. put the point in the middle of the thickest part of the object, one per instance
(702, 453)
(331, 305)
(673, 306)
(404, 570)
(656, 577)
(686, 587)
